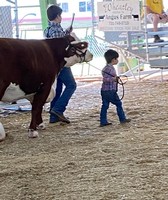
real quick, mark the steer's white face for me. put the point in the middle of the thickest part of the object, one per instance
(77, 59)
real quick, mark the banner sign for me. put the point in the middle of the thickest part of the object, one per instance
(119, 15)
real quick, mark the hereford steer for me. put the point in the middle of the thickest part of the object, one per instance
(32, 65)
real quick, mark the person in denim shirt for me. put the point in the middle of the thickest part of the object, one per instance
(109, 89)
(65, 77)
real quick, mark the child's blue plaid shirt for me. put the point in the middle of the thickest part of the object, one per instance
(54, 30)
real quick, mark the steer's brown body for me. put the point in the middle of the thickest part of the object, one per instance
(33, 65)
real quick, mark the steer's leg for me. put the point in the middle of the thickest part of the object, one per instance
(3, 86)
(40, 125)
(32, 132)
(37, 106)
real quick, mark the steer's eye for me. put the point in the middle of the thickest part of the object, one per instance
(73, 49)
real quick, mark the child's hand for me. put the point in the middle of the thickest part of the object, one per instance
(69, 29)
(163, 15)
(116, 78)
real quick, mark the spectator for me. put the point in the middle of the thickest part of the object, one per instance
(155, 15)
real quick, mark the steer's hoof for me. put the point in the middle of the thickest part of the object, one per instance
(41, 126)
(2, 132)
(32, 133)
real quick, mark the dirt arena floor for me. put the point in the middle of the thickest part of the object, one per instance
(82, 161)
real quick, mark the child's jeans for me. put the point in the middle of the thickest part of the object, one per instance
(61, 99)
(107, 98)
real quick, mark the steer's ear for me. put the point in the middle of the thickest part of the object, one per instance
(70, 38)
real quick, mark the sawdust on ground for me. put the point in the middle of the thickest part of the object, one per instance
(82, 161)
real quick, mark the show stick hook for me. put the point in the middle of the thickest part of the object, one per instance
(73, 16)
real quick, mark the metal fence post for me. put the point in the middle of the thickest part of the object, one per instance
(43, 7)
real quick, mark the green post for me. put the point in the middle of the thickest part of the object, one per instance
(43, 7)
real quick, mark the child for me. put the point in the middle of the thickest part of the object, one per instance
(109, 89)
(65, 77)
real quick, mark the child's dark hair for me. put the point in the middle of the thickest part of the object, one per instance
(110, 54)
(53, 11)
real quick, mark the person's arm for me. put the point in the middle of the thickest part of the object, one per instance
(68, 30)
(148, 10)
(163, 15)
(112, 79)
(109, 75)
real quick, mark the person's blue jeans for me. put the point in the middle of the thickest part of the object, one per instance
(62, 98)
(107, 98)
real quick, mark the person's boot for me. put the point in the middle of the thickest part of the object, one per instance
(157, 39)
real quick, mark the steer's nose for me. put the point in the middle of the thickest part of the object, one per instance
(89, 57)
